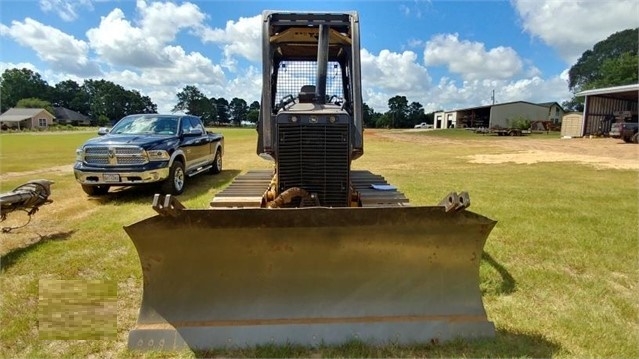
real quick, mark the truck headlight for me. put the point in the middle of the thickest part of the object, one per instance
(79, 155)
(158, 155)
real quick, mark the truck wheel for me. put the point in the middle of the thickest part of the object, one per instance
(174, 184)
(217, 163)
(95, 190)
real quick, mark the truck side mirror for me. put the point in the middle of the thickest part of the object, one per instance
(194, 132)
(103, 131)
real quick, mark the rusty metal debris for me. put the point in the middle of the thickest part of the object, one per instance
(27, 197)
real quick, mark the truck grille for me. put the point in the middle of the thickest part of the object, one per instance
(315, 157)
(111, 156)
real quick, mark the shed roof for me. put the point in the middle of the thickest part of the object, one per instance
(628, 92)
(18, 114)
(497, 105)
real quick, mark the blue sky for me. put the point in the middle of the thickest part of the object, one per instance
(442, 54)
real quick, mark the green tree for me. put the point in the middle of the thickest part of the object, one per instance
(18, 84)
(519, 122)
(253, 114)
(383, 121)
(136, 103)
(223, 113)
(188, 100)
(368, 114)
(590, 71)
(103, 120)
(574, 104)
(617, 71)
(416, 114)
(112, 100)
(35, 103)
(64, 93)
(398, 112)
(430, 117)
(238, 110)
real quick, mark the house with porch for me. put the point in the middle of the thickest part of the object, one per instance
(26, 118)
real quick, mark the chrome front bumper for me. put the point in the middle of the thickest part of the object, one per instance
(122, 179)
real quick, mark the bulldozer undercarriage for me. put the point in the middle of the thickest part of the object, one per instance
(248, 191)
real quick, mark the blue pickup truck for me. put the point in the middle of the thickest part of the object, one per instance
(148, 148)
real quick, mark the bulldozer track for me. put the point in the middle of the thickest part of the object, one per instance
(247, 190)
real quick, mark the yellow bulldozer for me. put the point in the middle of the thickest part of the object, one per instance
(311, 252)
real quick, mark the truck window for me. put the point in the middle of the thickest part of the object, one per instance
(196, 124)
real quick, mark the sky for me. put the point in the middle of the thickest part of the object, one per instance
(443, 54)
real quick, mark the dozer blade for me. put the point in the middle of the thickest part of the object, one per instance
(243, 277)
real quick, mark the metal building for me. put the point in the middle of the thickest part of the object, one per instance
(603, 107)
(498, 115)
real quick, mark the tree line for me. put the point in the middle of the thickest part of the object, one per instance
(100, 100)
(105, 102)
(192, 101)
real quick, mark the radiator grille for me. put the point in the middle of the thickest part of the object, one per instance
(114, 156)
(315, 157)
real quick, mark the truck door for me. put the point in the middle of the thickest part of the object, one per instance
(189, 144)
(197, 146)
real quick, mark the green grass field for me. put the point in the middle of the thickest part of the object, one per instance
(559, 274)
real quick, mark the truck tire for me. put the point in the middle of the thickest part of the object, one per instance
(217, 163)
(98, 190)
(174, 184)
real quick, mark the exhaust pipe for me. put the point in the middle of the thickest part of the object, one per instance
(322, 64)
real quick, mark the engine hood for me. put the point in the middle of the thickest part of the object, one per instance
(144, 141)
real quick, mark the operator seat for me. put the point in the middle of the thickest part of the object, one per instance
(307, 94)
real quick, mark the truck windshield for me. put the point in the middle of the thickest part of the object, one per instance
(146, 124)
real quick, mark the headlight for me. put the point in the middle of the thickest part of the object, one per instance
(79, 155)
(158, 155)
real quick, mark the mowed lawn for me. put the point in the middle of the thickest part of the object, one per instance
(559, 274)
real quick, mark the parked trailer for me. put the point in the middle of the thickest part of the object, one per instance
(509, 131)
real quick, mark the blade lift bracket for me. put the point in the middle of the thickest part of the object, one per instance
(453, 201)
(167, 205)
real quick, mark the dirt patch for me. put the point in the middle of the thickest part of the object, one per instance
(530, 157)
(55, 169)
(603, 153)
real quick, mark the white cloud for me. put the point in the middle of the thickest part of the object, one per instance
(239, 38)
(20, 65)
(471, 60)
(448, 95)
(63, 51)
(163, 20)
(389, 74)
(67, 10)
(145, 51)
(120, 43)
(572, 27)
(394, 71)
